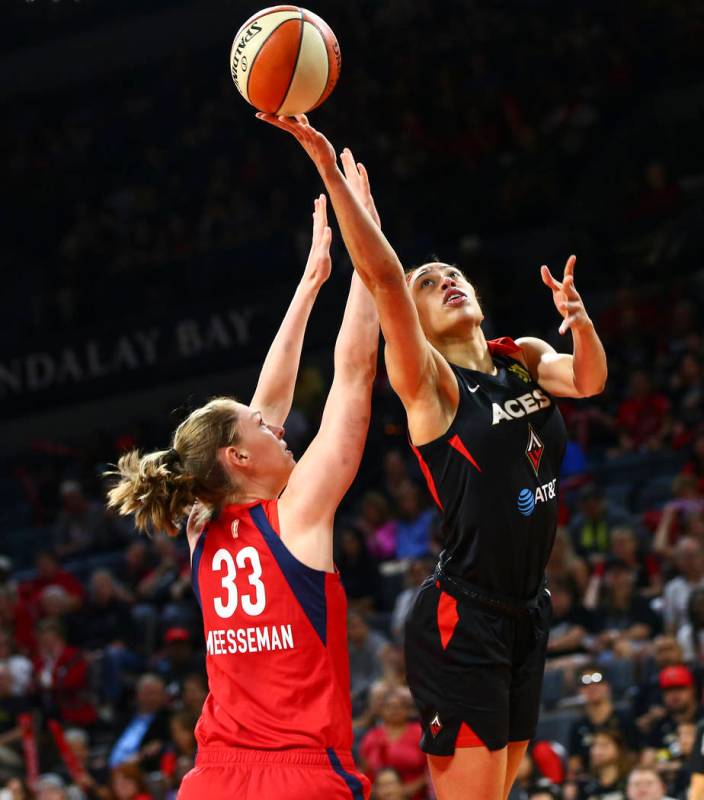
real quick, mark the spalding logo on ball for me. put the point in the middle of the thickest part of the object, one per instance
(285, 60)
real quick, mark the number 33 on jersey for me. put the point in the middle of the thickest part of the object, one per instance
(276, 641)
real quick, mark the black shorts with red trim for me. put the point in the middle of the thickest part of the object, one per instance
(475, 668)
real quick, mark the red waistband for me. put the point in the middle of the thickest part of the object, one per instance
(240, 755)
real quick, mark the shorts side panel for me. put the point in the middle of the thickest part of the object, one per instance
(468, 680)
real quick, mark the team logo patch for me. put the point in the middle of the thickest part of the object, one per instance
(534, 450)
(235, 528)
(435, 725)
(520, 372)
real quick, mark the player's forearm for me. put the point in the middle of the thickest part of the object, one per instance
(372, 255)
(589, 361)
(277, 379)
(358, 339)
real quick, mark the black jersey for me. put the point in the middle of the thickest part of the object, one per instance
(495, 475)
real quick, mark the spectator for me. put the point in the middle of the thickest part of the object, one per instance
(645, 566)
(177, 660)
(51, 787)
(648, 704)
(681, 706)
(50, 573)
(599, 715)
(689, 560)
(17, 619)
(365, 648)
(687, 504)
(19, 666)
(81, 524)
(377, 526)
(414, 531)
(128, 783)
(609, 761)
(691, 635)
(643, 415)
(106, 627)
(155, 587)
(181, 752)
(626, 619)
(418, 571)
(394, 742)
(17, 789)
(590, 528)
(358, 570)
(62, 676)
(572, 628)
(145, 733)
(93, 775)
(11, 706)
(136, 565)
(388, 785)
(566, 567)
(676, 772)
(195, 690)
(644, 783)
(695, 464)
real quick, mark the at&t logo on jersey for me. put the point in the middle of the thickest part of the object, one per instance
(518, 407)
(528, 499)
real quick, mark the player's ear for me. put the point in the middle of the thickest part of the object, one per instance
(237, 457)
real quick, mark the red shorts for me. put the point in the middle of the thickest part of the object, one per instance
(273, 775)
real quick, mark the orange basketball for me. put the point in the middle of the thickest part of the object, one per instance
(285, 60)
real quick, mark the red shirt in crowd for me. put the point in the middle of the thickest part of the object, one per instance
(65, 681)
(643, 417)
(403, 754)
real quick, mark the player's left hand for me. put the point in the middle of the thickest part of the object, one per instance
(566, 298)
(319, 264)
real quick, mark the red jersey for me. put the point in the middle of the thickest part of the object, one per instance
(276, 639)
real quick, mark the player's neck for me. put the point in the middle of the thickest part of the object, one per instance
(467, 349)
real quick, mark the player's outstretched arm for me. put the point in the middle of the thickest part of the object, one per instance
(583, 373)
(412, 366)
(323, 475)
(277, 379)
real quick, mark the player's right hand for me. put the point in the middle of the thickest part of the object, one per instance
(358, 180)
(313, 142)
(319, 264)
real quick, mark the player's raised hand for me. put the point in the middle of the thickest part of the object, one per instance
(358, 180)
(313, 142)
(319, 264)
(566, 297)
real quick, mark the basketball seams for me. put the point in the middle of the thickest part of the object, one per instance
(295, 63)
(271, 33)
(312, 19)
(327, 61)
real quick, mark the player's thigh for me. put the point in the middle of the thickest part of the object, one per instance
(475, 772)
(514, 755)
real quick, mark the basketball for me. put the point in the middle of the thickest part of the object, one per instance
(285, 60)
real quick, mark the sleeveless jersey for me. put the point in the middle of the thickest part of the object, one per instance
(495, 475)
(276, 639)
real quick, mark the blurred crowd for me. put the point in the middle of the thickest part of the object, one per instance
(165, 167)
(101, 652)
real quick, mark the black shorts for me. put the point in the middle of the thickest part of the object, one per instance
(474, 671)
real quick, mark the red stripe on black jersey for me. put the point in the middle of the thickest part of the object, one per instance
(425, 469)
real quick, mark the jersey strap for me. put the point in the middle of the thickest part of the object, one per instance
(306, 583)
(503, 346)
